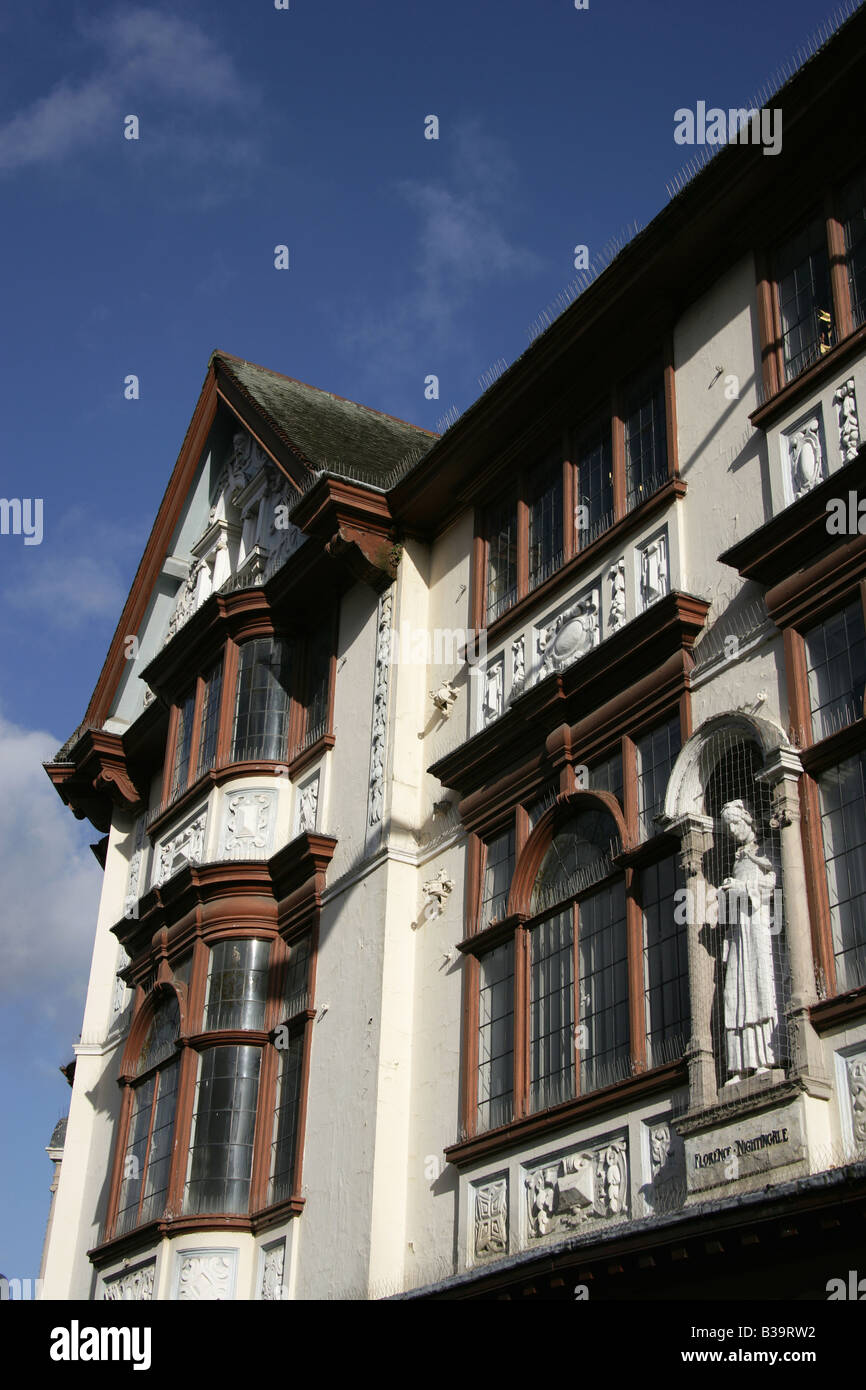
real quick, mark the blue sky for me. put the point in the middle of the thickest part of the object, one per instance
(408, 257)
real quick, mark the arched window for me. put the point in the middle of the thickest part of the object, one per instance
(560, 992)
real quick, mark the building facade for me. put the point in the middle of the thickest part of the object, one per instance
(483, 816)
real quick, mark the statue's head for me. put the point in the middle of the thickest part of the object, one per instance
(737, 820)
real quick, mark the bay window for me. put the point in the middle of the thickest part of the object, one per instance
(236, 1073)
(262, 701)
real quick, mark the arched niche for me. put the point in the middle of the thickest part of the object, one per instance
(691, 777)
(590, 820)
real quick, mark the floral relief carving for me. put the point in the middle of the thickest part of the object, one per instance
(206, 1278)
(134, 1285)
(491, 1218)
(273, 1267)
(380, 709)
(187, 844)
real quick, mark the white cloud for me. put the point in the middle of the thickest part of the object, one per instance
(80, 573)
(51, 884)
(144, 54)
(463, 246)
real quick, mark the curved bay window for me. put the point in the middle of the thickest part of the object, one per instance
(585, 983)
(266, 699)
(211, 1126)
(262, 701)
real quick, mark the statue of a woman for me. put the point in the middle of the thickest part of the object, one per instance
(745, 905)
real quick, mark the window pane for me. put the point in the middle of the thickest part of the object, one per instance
(666, 973)
(501, 558)
(551, 1012)
(318, 686)
(545, 523)
(606, 776)
(603, 1039)
(496, 1037)
(656, 753)
(853, 217)
(160, 1039)
(180, 772)
(498, 872)
(646, 457)
(286, 1120)
(580, 854)
(594, 484)
(221, 1157)
(210, 713)
(134, 1158)
(836, 664)
(295, 992)
(262, 706)
(805, 306)
(237, 985)
(159, 1157)
(842, 793)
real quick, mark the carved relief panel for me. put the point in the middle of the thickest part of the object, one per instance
(132, 1286)
(248, 818)
(491, 1218)
(585, 1186)
(804, 456)
(569, 634)
(847, 421)
(271, 1285)
(206, 1276)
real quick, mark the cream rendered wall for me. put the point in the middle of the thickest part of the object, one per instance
(95, 1105)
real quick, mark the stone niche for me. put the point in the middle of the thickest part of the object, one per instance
(746, 1150)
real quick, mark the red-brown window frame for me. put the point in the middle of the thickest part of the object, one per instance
(817, 756)
(825, 208)
(480, 938)
(567, 443)
(192, 1042)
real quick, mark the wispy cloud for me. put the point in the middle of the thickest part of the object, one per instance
(79, 574)
(138, 54)
(50, 883)
(463, 246)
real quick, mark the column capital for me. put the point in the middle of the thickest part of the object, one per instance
(781, 774)
(695, 833)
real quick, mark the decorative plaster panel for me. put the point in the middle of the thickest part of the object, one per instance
(491, 1218)
(248, 824)
(271, 1288)
(132, 1286)
(206, 1276)
(847, 420)
(585, 1186)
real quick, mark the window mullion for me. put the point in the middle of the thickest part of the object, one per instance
(195, 733)
(263, 1129)
(618, 453)
(634, 946)
(839, 287)
(522, 539)
(146, 1164)
(578, 990)
(521, 1022)
(228, 698)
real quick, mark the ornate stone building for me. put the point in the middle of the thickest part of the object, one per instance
(483, 817)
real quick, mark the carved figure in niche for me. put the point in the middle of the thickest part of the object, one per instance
(750, 1005)
(616, 575)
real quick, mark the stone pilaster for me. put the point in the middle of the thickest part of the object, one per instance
(781, 773)
(695, 833)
